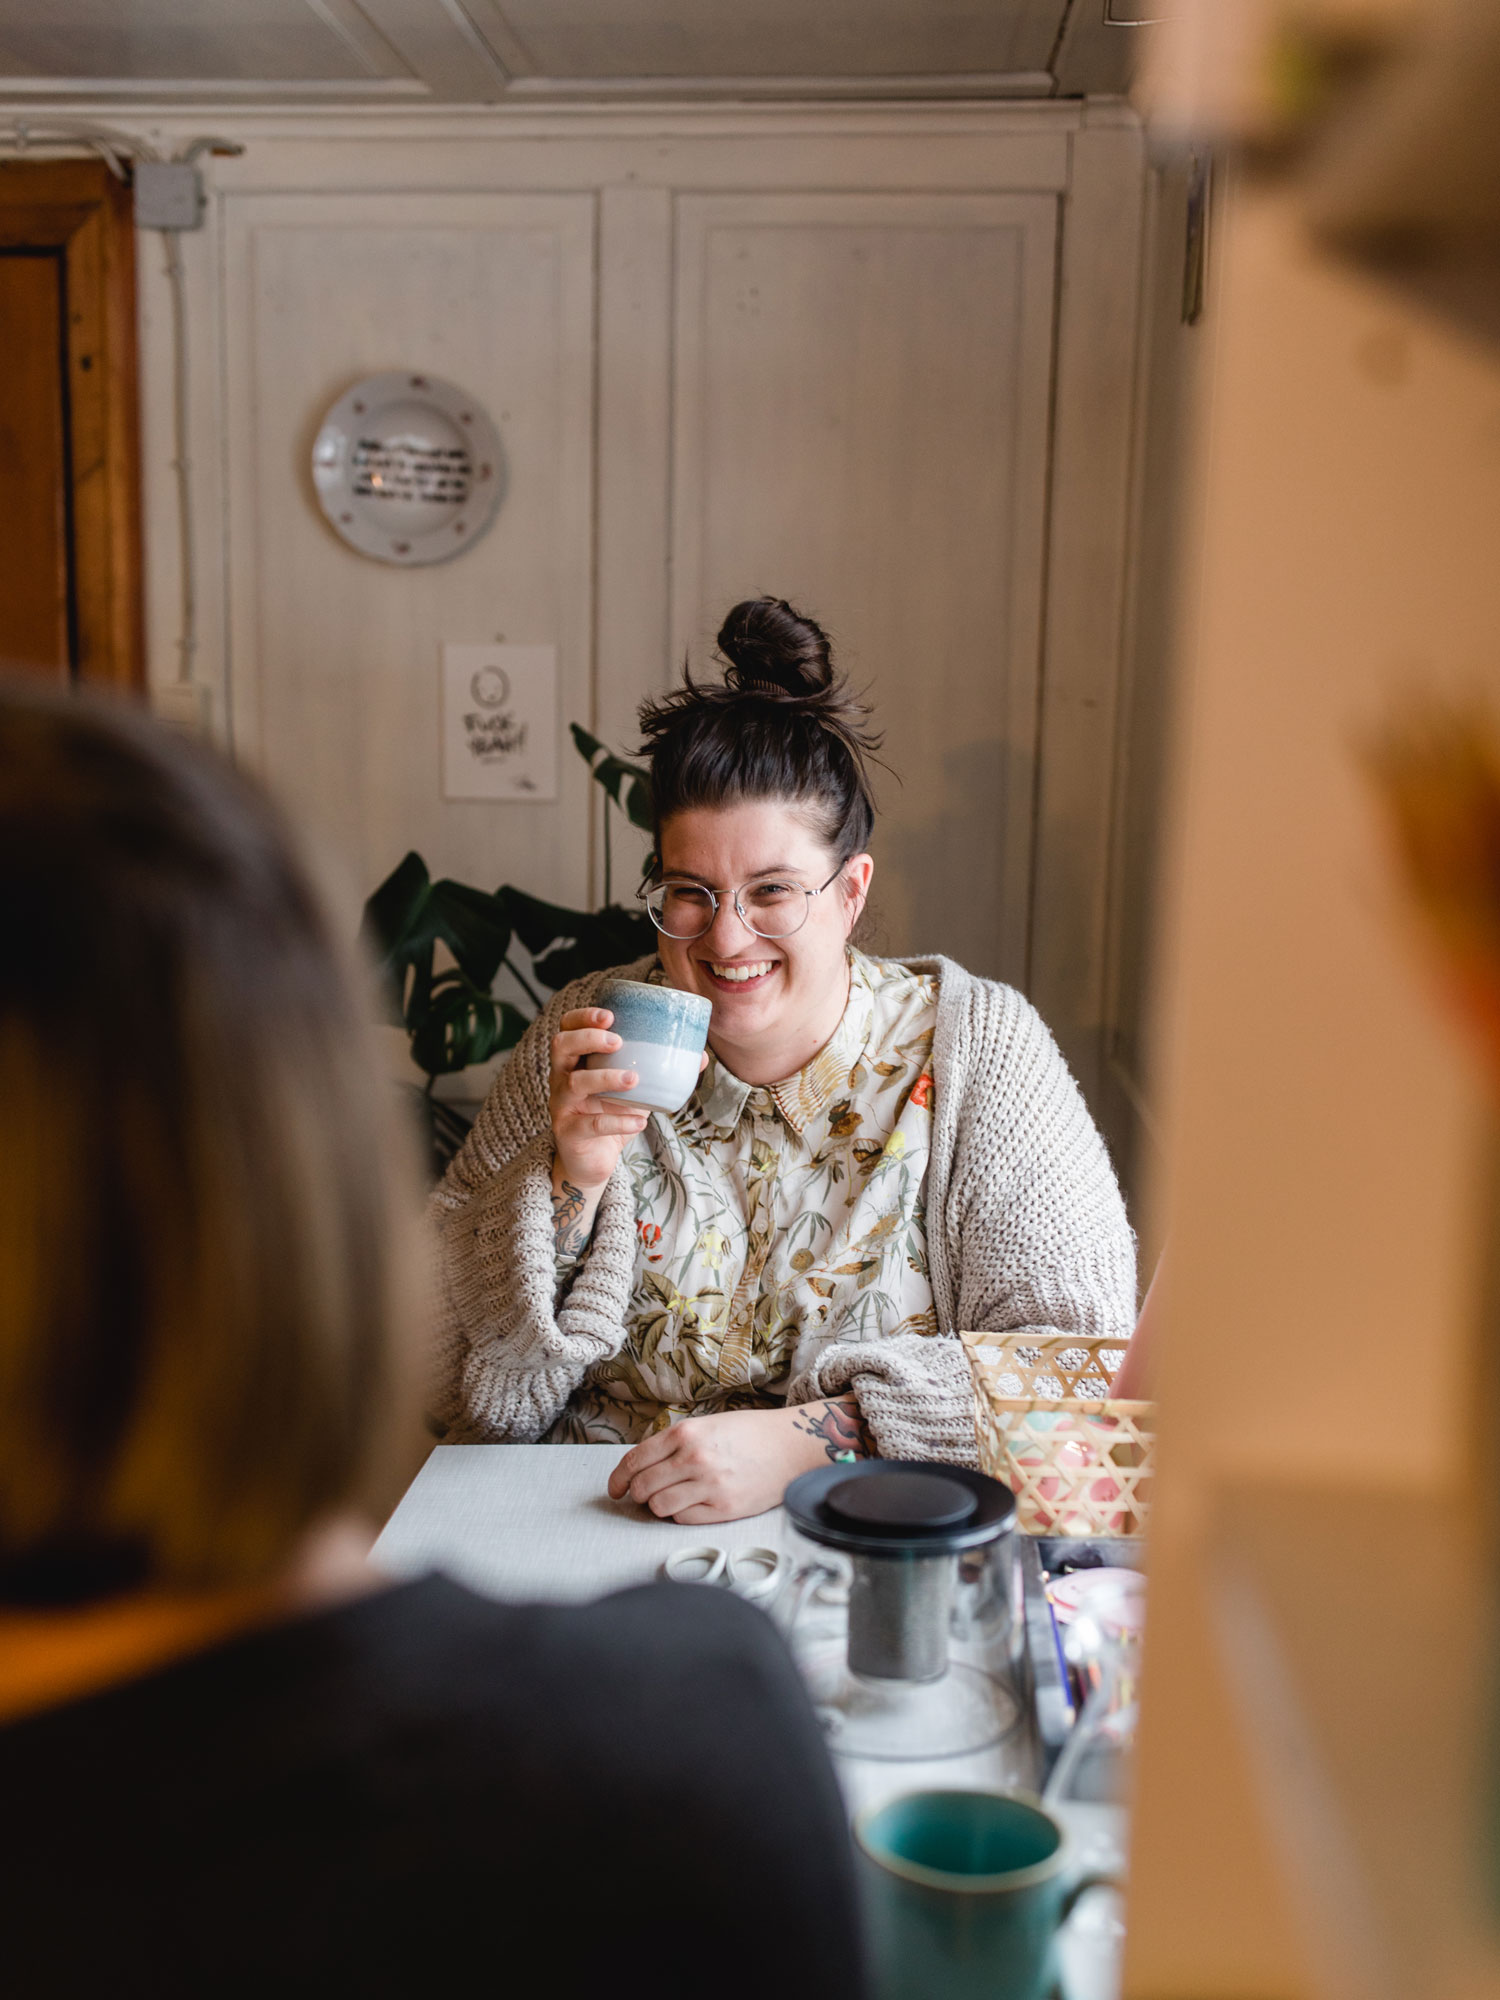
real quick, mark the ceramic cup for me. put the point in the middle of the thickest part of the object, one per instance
(662, 1034)
(963, 1893)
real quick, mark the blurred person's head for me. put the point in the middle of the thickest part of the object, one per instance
(202, 1230)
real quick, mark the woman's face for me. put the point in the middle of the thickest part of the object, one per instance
(776, 1000)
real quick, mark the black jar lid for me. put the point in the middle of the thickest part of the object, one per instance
(883, 1506)
(897, 1501)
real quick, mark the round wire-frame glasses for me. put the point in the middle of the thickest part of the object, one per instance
(770, 906)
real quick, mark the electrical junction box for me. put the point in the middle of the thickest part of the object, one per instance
(168, 195)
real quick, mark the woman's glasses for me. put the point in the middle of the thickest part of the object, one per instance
(773, 906)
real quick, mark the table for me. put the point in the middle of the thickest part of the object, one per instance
(536, 1522)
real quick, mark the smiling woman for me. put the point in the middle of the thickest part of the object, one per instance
(878, 1152)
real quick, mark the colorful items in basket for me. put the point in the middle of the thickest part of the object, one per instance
(1078, 1460)
(1100, 1617)
(1095, 1611)
(1117, 1595)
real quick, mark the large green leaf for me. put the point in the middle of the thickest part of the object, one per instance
(409, 914)
(611, 936)
(391, 911)
(537, 924)
(475, 928)
(398, 929)
(629, 785)
(461, 1025)
(452, 1018)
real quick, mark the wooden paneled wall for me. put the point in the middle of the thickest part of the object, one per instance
(334, 658)
(879, 360)
(861, 413)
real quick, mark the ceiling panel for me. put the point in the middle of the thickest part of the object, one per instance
(283, 41)
(708, 38)
(472, 51)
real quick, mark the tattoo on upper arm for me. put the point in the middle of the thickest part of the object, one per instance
(840, 1426)
(569, 1234)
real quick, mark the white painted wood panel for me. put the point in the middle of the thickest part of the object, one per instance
(1174, 356)
(982, 223)
(862, 396)
(334, 658)
(634, 440)
(1088, 547)
(1009, 149)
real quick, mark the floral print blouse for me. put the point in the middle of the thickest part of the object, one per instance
(772, 1220)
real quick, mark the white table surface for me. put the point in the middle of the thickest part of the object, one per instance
(536, 1522)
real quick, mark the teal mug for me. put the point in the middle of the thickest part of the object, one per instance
(963, 1894)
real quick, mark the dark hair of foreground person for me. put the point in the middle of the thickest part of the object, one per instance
(201, 1238)
(300, 1786)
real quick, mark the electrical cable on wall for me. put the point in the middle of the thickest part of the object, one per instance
(187, 630)
(169, 198)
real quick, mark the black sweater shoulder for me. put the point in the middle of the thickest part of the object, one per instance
(426, 1783)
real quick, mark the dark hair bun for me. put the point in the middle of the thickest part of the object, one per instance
(771, 649)
(780, 725)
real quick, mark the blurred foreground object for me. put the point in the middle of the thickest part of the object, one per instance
(1383, 110)
(1267, 72)
(1438, 774)
(1308, 1791)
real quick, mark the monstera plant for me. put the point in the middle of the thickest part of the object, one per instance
(452, 1015)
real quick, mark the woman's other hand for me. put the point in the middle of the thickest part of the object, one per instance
(724, 1467)
(588, 1133)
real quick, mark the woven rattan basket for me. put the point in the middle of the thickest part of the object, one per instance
(1078, 1462)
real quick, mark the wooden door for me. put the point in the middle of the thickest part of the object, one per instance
(70, 563)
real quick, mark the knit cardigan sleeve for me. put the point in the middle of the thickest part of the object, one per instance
(505, 1360)
(1026, 1228)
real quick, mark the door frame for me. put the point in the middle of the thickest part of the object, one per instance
(80, 209)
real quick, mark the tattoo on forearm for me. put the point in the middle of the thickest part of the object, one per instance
(570, 1234)
(840, 1426)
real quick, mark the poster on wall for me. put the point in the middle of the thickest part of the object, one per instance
(500, 722)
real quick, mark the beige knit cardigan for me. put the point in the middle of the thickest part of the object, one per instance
(1026, 1231)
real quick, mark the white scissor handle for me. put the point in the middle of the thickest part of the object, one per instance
(757, 1574)
(704, 1564)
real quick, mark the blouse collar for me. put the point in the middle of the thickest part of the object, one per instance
(721, 1097)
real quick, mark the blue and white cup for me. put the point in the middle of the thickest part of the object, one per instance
(662, 1035)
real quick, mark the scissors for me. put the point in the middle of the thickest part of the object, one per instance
(754, 1574)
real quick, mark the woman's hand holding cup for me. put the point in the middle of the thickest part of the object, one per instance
(589, 1130)
(593, 1119)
